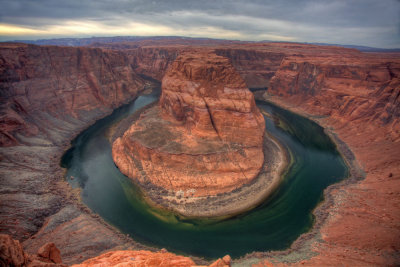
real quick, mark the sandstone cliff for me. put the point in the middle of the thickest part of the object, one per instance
(204, 138)
(356, 95)
(12, 254)
(358, 88)
(48, 88)
(47, 96)
(256, 67)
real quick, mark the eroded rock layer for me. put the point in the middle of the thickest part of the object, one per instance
(204, 138)
(48, 95)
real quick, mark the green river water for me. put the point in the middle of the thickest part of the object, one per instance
(273, 225)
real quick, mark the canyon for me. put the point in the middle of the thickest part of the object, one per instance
(49, 94)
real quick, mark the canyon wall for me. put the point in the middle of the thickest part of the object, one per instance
(44, 89)
(47, 96)
(152, 61)
(256, 67)
(356, 88)
(355, 97)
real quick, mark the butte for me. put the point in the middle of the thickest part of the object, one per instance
(202, 140)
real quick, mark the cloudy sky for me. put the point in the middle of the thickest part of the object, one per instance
(361, 22)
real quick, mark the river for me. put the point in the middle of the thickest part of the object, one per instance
(273, 225)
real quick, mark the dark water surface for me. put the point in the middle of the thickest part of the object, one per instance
(273, 225)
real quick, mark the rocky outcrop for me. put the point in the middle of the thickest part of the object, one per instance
(143, 258)
(257, 67)
(52, 87)
(138, 258)
(12, 254)
(204, 138)
(205, 93)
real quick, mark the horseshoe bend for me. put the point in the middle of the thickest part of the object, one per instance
(203, 139)
(203, 149)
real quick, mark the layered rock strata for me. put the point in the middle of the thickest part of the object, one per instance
(144, 258)
(205, 136)
(12, 254)
(355, 88)
(47, 96)
(357, 98)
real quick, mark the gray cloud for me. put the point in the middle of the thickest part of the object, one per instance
(365, 22)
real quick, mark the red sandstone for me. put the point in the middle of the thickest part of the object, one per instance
(204, 138)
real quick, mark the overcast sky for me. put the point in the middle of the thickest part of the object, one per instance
(360, 22)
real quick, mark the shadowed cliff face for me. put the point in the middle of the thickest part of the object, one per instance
(152, 61)
(209, 131)
(47, 96)
(256, 67)
(42, 88)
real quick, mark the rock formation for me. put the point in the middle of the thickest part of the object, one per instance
(138, 258)
(56, 87)
(142, 258)
(357, 96)
(204, 138)
(12, 254)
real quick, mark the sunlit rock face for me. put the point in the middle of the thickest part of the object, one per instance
(204, 137)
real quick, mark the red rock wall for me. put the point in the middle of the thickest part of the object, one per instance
(362, 88)
(357, 97)
(47, 96)
(256, 67)
(152, 61)
(210, 97)
(41, 87)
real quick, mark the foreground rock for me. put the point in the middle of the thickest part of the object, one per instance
(12, 254)
(205, 137)
(143, 258)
